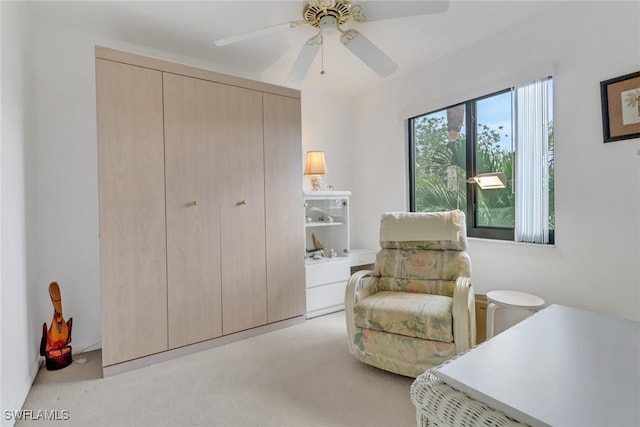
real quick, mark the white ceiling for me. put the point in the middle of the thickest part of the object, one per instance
(189, 28)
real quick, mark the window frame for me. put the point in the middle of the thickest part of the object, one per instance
(473, 230)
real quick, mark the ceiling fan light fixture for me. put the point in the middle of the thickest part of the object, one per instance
(328, 24)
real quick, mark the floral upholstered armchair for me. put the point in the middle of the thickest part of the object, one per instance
(417, 309)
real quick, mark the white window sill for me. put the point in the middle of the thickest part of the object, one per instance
(511, 242)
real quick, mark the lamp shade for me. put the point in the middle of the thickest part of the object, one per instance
(315, 163)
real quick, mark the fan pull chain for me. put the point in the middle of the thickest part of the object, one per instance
(322, 59)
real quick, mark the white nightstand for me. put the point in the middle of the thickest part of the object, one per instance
(361, 258)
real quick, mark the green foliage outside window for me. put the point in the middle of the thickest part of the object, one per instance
(435, 156)
(441, 171)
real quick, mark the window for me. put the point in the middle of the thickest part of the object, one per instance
(510, 132)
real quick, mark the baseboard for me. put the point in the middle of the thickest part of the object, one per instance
(323, 311)
(131, 365)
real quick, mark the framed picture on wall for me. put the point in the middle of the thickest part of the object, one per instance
(621, 107)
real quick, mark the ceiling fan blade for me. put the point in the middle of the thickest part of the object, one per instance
(256, 33)
(369, 53)
(305, 59)
(378, 10)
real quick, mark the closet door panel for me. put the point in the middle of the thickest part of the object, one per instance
(242, 209)
(193, 210)
(283, 208)
(132, 218)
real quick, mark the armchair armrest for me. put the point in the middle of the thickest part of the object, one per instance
(464, 315)
(357, 289)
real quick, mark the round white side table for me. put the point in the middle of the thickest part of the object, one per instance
(513, 299)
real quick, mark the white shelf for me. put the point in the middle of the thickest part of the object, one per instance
(323, 224)
(325, 194)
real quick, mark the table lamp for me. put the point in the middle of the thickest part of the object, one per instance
(315, 168)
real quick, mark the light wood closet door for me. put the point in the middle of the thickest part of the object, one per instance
(193, 209)
(244, 293)
(132, 218)
(284, 208)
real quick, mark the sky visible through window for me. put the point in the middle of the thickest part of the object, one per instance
(494, 112)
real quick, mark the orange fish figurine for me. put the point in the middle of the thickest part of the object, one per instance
(54, 345)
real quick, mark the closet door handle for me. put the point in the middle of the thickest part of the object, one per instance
(194, 203)
(242, 202)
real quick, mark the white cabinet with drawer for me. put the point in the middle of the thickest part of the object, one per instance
(326, 283)
(327, 264)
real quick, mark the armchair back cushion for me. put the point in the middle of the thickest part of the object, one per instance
(419, 230)
(429, 266)
(422, 271)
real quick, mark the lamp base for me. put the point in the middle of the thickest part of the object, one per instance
(315, 182)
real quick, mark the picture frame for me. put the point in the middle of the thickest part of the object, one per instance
(621, 107)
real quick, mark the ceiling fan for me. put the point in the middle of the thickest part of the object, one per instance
(328, 16)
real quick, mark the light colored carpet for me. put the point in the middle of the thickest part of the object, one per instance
(303, 375)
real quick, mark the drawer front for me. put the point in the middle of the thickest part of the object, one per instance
(327, 272)
(326, 296)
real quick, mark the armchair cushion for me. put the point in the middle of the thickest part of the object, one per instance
(409, 314)
(425, 271)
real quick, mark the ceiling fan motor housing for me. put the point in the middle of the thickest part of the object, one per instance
(314, 11)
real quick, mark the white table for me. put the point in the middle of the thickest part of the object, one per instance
(559, 367)
(513, 299)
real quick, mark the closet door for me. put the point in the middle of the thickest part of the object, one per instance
(132, 218)
(193, 209)
(283, 208)
(242, 230)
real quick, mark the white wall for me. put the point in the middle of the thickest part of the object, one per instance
(327, 125)
(18, 329)
(595, 263)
